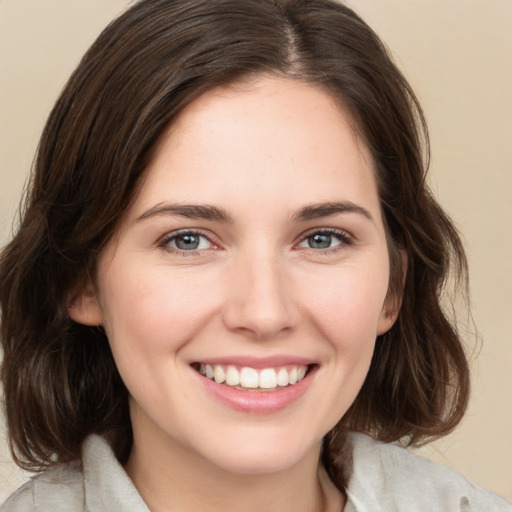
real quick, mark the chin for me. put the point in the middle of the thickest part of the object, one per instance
(258, 455)
(257, 464)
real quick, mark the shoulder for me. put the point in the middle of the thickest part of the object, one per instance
(387, 477)
(59, 489)
(98, 481)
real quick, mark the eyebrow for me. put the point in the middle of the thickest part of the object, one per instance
(215, 213)
(191, 211)
(321, 210)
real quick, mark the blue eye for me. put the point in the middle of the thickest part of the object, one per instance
(325, 239)
(321, 241)
(187, 241)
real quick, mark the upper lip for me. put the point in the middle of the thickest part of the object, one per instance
(257, 362)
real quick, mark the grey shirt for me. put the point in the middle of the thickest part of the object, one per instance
(381, 478)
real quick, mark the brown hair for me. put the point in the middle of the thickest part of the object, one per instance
(60, 380)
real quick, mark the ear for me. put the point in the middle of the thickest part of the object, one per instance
(84, 307)
(386, 320)
(393, 300)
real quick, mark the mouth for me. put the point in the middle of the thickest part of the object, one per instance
(247, 378)
(256, 386)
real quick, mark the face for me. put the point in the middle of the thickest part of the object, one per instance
(244, 292)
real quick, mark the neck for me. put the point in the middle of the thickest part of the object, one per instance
(169, 477)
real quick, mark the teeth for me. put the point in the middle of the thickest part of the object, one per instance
(249, 378)
(246, 377)
(282, 377)
(232, 376)
(218, 374)
(268, 378)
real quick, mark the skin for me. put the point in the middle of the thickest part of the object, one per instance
(261, 151)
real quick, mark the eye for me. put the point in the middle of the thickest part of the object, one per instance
(325, 239)
(186, 241)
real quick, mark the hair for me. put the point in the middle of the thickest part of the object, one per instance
(60, 380)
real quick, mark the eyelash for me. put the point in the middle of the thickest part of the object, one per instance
(344, 238)
(167, 239)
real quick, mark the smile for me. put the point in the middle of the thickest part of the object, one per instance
(256, 386)
(247, 378)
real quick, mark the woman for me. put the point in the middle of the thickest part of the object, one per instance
(225, 290)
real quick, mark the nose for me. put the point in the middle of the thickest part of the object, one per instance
(260, 301)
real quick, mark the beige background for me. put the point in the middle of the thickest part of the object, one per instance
(457, 55)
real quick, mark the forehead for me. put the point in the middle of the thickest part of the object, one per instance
(274, 136)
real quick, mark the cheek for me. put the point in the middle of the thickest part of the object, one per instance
(346, 311)
(349, 304)
(148, 318)
(146, 313)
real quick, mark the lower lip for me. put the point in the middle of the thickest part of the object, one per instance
(258, 402)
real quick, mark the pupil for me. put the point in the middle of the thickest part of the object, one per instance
(320, 241)
(187, 242)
